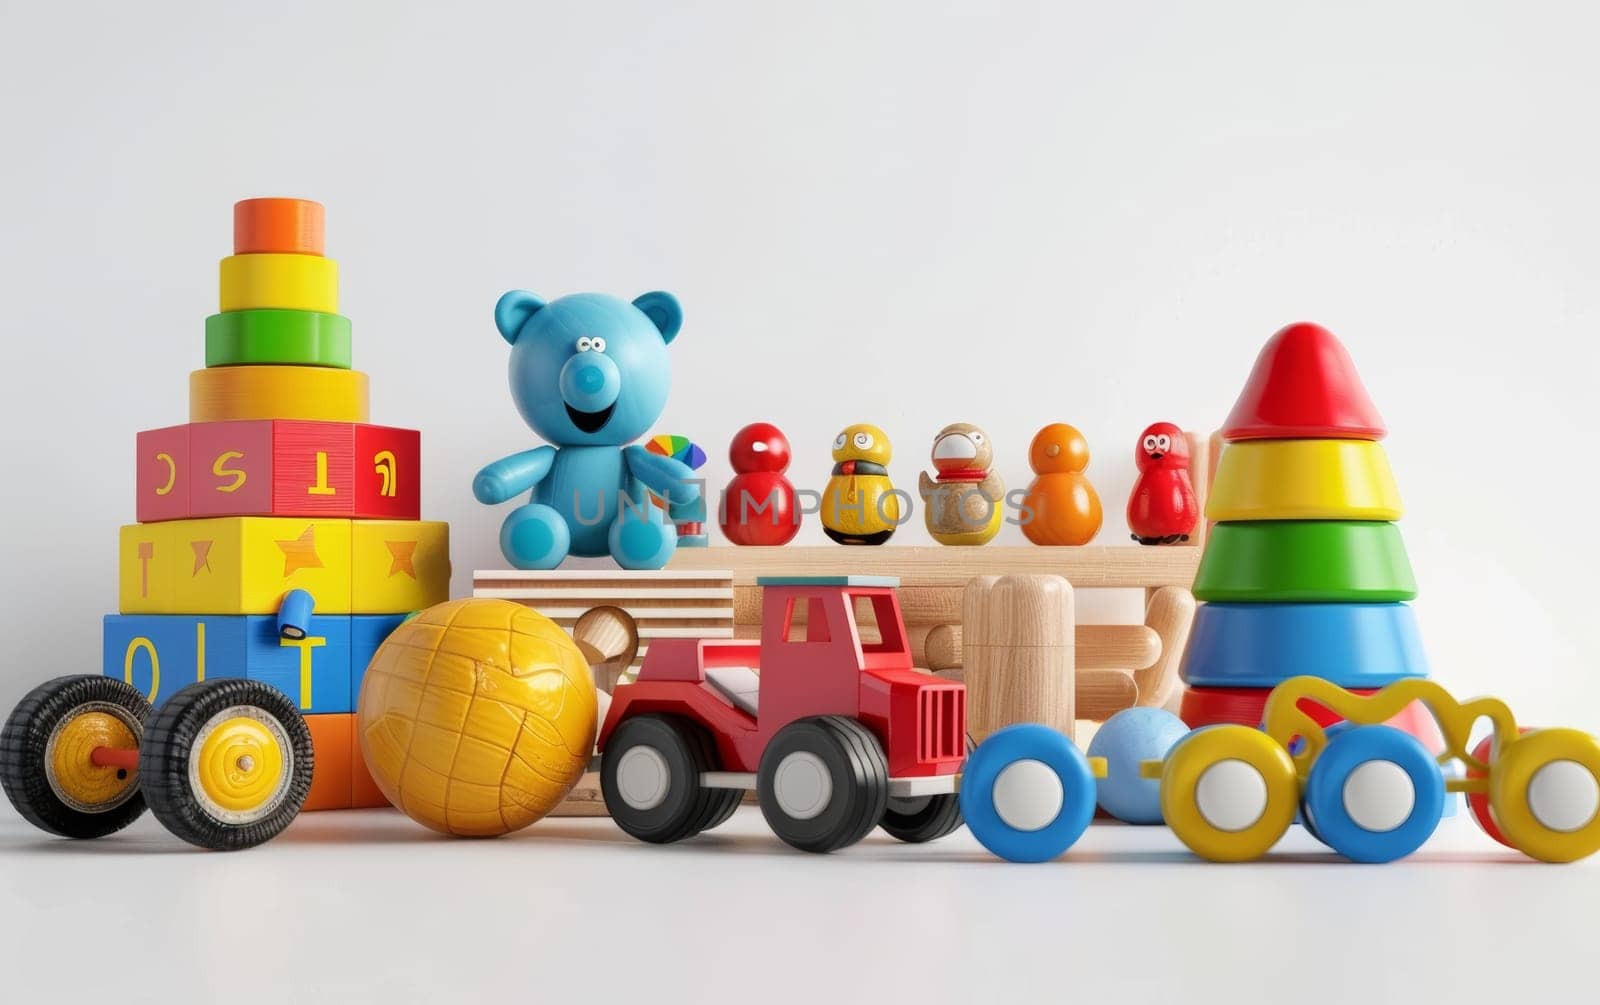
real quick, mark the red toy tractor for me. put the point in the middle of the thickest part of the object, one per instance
(836, 735)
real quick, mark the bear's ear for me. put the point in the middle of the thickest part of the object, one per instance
(663, 311)
(513, 311)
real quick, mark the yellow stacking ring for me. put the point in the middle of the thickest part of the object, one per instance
(1303, 480)
(289, 282)
(311, 393)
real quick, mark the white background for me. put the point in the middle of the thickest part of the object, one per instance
(905, 213)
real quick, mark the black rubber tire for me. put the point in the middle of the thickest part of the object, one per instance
(722, 807)
(169, 741)
(26, 738)
(688, 751)
(859, 773)
(939, 816)
(932, 818)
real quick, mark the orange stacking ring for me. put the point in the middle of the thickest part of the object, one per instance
(277, 226)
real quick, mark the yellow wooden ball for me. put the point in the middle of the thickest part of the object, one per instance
(477, 716)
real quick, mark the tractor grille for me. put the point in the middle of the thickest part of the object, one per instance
(941, 724)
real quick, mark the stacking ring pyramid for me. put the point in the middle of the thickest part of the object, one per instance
(1305, 571)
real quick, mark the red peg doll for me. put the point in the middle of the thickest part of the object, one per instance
(1162, 509)
(759, 505)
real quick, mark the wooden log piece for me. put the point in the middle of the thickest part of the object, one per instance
(609, 640)
(1096, 647)
(1017, 652)
(1169, 614)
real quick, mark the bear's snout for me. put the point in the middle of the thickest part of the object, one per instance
(590, 382)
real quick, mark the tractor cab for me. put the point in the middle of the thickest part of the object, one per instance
(818, 634)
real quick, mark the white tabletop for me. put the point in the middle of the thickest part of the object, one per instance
(366, 906)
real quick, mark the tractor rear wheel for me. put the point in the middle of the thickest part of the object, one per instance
(823, 783)
(650, 778)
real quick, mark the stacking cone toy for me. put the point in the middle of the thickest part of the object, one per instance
(1305, 571)
(279, 536)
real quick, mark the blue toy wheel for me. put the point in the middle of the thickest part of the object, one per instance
(1374, 795)
(1027, 793)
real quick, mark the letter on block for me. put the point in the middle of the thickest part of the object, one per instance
(314, 671)
(388, 473)
(233, 468)
(234, 565)
(398, 565)
(162, 474)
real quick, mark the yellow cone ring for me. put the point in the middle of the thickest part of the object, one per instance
(312, 393)
(1303, 480)
(289, 282)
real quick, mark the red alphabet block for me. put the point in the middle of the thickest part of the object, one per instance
(161, 474)
(388, 473)
(232, 468)
(313, 468)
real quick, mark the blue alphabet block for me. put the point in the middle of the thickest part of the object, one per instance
(313, 671)
(367, 632)
(162, 654)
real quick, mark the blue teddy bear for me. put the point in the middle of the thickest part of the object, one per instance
(589, 373)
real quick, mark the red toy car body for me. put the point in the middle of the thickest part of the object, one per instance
(812, 680)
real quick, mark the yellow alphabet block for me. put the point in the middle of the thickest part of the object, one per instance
(398, 565)
(234, 565)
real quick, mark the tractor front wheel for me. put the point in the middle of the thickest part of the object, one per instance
(823, 783)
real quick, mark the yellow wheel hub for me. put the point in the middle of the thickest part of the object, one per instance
(1229, 792)
(80, 782)
(1544, 789)
(241, 765)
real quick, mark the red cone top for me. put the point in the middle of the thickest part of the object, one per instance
(1304, 386)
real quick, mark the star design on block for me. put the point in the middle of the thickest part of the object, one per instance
(300, 553)
(401, 554)
(202, 556)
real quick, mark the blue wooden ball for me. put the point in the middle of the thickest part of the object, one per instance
(1131, 736)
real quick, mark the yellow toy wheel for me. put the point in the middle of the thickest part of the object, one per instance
(226, 764)
(1544, 789)
(65, 755)
(1229, 792)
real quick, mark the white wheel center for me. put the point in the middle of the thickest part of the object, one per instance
(1231, 795)
(1564, 796)
(1028, 795)
(1379, 796)
(643, 778)
(802, 785)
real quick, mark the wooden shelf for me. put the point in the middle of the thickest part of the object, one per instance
(1086, 567)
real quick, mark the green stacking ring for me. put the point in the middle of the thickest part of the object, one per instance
(1305, 561)
(284, 338)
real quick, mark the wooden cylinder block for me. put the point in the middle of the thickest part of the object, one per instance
(310, 393)
(1017, 652)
